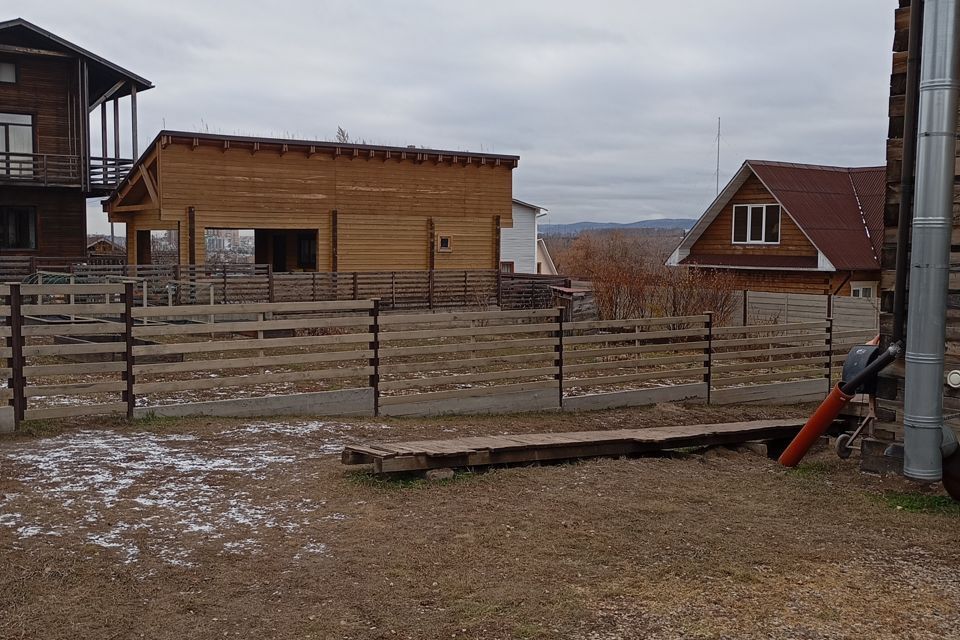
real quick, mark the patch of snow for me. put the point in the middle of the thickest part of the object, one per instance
(339, 517)
(28, 531)
(314, 548)
(181, 486)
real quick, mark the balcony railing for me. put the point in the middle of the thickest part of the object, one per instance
(108, 172)
(63, 170)
(42, 168)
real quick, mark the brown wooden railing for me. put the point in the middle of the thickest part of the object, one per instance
(56, 169)
(43, 168)
(227, 283)
(108, 172)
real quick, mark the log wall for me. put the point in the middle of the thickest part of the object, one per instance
(890, 389)
(370, 212)
(43, 89)
(61, 219)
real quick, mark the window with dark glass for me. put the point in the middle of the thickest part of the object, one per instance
(307, 251)
(756, 224)
(740, 216)
(18, 228)
(445, 243)
(771, 225)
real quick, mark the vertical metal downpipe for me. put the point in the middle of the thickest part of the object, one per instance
(926, 439)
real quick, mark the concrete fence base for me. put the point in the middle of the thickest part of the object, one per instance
(779, 393)
(535, 400)
(7, 422)
(346, 402)
(680, 393)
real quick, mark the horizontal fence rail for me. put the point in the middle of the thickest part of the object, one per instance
(91, 349)
(238, 283)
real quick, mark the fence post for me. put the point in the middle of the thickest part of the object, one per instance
(393, 289)
(128, 396)
(559, 358)
(224, 297)
(15, 342)
(829, 352)
(708, 352)
(270, 289)
(176, 278)
(430, 288)
(746, 295)
(499, 288)
(375, 360)
(356, 285)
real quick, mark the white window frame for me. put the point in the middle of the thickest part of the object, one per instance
(860, 287)
(751, 210)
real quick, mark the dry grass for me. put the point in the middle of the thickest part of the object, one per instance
(266, 535)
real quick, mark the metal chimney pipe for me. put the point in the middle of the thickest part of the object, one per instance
(926, 438)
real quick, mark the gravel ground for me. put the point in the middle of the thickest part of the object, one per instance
(252, 529)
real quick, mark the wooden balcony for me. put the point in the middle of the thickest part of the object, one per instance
(106, 173)
(62, 170)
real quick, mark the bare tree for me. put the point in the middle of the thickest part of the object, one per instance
(630, 280)
(342, 135)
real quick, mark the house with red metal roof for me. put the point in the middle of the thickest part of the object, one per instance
(793, 228)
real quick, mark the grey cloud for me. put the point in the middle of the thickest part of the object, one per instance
(612, 105)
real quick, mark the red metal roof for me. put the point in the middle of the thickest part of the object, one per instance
(839, 208)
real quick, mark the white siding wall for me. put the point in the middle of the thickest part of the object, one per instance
(519, 244)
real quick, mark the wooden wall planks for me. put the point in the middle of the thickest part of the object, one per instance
(383, 205)
(717, 239)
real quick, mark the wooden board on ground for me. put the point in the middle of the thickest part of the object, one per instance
(421, 455)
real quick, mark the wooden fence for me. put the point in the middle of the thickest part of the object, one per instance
(226, 283)
(74, 350)
(847, 312)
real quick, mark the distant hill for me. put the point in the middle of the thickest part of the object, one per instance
(575, 228)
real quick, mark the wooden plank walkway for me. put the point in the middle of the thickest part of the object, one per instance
(421, 455)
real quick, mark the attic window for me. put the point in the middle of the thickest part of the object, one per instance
(756, 224)
(444, 244)
(8, 72)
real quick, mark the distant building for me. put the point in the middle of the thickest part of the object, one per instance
(521, 248)
(105, 246)
(793, 228)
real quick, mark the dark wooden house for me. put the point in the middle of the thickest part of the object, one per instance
(793, 228)
(51, 158)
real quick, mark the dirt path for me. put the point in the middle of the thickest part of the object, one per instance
(252, 529)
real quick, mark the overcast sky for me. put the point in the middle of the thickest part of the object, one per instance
(611, 106)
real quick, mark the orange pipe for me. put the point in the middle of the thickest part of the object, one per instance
(815, 427)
